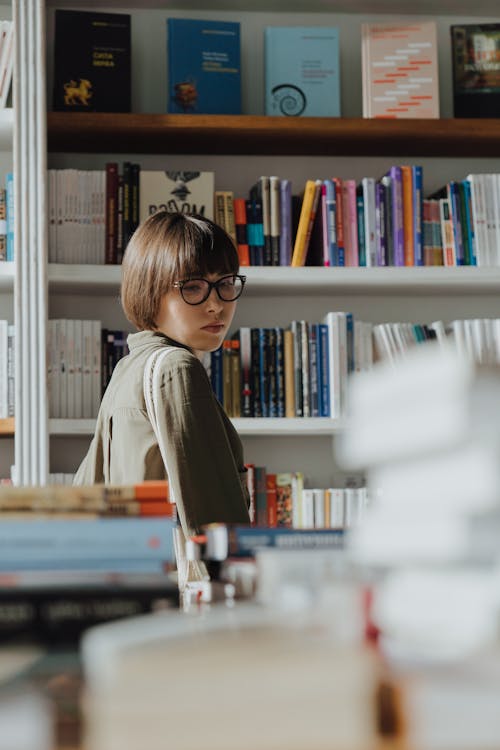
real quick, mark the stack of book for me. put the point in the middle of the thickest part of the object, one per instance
(429, 432)
(71, 557)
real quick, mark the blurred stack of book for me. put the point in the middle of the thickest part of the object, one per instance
(428, 432)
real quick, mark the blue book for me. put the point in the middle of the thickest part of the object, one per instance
(286, 223)
(204, 74)
(302, 71)
(470, 222)
(323, 366)
(47, 540)
(9, 187)
(216, 373)
(418, 241)
(360, 213)
(246, 540)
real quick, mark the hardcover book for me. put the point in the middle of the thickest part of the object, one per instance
(302, 71)
(400, 70)
(185, 192)
(476, 70)
(92, 62)
(204, 74)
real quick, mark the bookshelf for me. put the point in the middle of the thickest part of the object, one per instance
(300, 148)
(258, 134)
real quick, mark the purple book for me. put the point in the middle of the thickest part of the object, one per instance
(397, 215)
(286, 223)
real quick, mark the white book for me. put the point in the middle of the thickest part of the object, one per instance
(307, 509)
(186, 192)
(439, 328)
(337, 508)
(319, 508)
(368, 187)
(11, 335)
(297, 491)
(78, 368)
(87, 351)
(494, 196)
(96, 367)
(478, 219)
(52, 202)
(62, 393)
(462, 480)
(337, 360)
(304, 343)
(70, 369)
(4, 373)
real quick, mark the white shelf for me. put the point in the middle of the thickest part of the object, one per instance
(445, 7)
(250, 427)
(6, 276)
(6, 129)
(101, 280)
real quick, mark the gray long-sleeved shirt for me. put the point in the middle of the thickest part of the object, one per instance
(205, 453)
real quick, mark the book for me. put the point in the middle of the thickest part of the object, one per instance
(92, 62)
(185, 192)
(302, 71)
(6, 59)
(245, 540)
(310, 202)
(476, 70)
(400, 70)
(203, 66)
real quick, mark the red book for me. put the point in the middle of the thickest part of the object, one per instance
(240, 220)
(271, 500)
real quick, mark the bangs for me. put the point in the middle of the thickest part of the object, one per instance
(204, 248)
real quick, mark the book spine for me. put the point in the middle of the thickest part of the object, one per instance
(323, 367)
(263, 371)
(245, 541)
(260, 496)
(240, 218)
(305, 224)
(280, 372)
(289, 374)
(360, 213)
(417, 182)
(271, 501)
(246, 372)
(111, 212)
(339, 217)
(216, 374)
(297, 369)
(409, 251)
(271, 375)
(275, 219)
(313, 370)
(256, 378)
(397, 215)
(286, 222)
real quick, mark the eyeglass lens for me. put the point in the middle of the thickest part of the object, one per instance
(228, 288)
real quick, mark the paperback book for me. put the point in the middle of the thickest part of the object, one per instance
(476, 70)
(302, 71)
(400, 70)
(186, 192)
(204, 74)
(92, 62)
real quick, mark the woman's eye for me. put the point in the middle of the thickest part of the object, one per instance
(192, 287)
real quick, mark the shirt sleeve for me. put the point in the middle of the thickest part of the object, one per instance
(202, 471)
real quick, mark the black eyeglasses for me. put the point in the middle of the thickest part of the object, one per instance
(196, 291)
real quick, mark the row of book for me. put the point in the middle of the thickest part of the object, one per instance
(93, 213)
(80, 360)
(300, 371)
(7, 369)
(400, 74)
(281, 500)
(477, 338)
(7, 218)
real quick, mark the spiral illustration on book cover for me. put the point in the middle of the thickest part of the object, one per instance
(289, 99)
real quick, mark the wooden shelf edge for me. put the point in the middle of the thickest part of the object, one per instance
(7, 427)
(103, 132)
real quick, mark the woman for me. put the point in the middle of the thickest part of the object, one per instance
(180, 284)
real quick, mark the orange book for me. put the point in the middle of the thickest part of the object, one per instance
(152, 490)
(240, 222)
(409, 246)
(142, 508)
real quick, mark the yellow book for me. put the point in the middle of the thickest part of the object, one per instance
(306, 220)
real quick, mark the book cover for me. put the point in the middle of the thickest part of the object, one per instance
(400, 70)
(476, 70)
(92, 62)
(246, 540)
(302, 71)
(185, 192)
(204, 74)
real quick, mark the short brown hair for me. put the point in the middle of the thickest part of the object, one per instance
(170, 247)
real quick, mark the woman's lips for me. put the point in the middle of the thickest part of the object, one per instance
(215, 328)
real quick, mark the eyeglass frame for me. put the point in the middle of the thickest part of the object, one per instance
(211, 285)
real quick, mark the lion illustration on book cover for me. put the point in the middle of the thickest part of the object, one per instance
(186, 95)
(77, 93)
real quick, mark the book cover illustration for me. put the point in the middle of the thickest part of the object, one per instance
(476, 70)
(92, 62)
(302, 71)
(185, 192)
(204, 75)
(400, 70)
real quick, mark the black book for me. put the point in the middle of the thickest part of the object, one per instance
(92, 62)
(476, 70)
